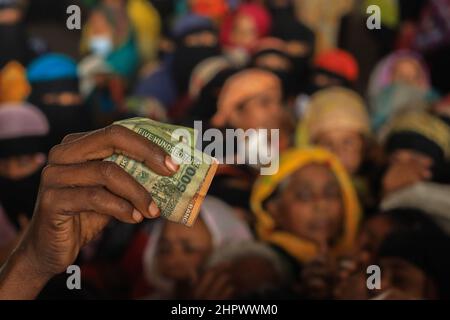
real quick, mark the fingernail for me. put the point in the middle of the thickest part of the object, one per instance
(137, 216)
(171, 165)
(153, 210)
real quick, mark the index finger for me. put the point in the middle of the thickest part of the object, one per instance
(114, 139)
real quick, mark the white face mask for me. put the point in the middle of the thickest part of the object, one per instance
(101, 45)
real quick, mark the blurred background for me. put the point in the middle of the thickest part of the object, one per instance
(364, 120)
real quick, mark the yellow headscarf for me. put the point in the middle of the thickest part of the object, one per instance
(147, 25)
(14, 86)
(291, 161)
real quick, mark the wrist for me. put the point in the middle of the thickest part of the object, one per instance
(20, 277)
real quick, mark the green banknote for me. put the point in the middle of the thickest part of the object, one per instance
(180, 196)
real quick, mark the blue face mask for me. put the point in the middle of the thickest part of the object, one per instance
(101, 45)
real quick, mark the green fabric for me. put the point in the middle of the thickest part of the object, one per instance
(124, 60)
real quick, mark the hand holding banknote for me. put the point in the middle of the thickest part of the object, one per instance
(78, 196)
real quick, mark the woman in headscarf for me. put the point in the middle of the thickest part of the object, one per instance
(250, 99)
(108, 34)
(395, 100)
(331, 68)
(242, 28)
(352, 270)
(334, 67)
(23, 133)
(147, 26)
(196, 39)
(415, 265)
(205, 84)
(214, 9)
(402, 66)
(308, 209)
(324, 17)
(255, 270)
(336, 119)
(54, 89)
(418, 148)
(14, 42)
(272, 54)
(299, 38)
(110, 41)
(175, 255)
(14, 86)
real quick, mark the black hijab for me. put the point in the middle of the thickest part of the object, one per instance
(288, 28)
(63, 120)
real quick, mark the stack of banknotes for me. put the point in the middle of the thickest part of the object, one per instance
(180, 196)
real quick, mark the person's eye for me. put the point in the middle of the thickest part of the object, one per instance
(191, 248)
(332, 193)
(349, 143)
(303, 195)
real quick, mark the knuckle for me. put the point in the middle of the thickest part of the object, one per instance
(47, 198)
(108, 169)
(69, 137)
(124, 207)
(46, 174)
(95, 195)
(53, 154)
(114, 131)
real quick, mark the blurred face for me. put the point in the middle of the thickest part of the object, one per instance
(99, 26)
(346, 144)
(322, 80)
(244, 33)
(62, 99)
(261, 111)
(298, 49)
(114, 3)
(182, 250)
(406, 156)
(251, 273)
(10, 16)
(405, 278)
(374, 232)
(408, 71)
(19, 167)
(310, 205)
(273, 62)
(201, 39)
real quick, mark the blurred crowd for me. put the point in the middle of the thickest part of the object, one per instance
(364, 174)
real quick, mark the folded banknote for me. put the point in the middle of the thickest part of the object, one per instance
(180, 196)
